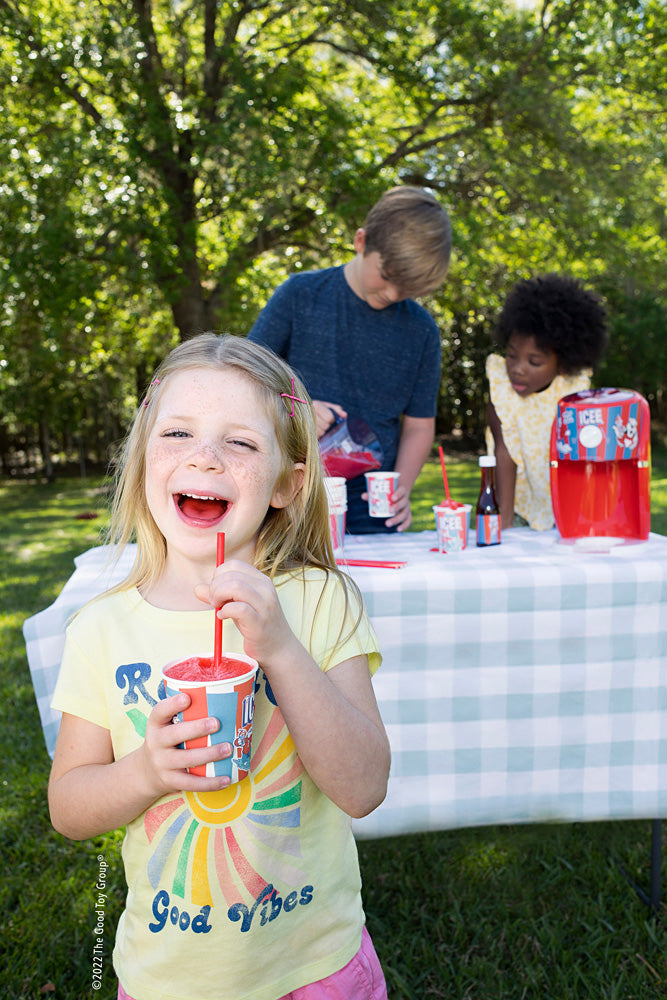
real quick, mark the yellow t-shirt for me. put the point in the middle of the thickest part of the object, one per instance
(243, 894)
(526, 423)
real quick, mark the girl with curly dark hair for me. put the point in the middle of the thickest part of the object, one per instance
(553, 333)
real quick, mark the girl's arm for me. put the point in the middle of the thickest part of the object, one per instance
(91, 793)
(332, 717)
(505, 469)
(335, 723)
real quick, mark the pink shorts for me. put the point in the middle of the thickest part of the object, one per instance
(361, 979)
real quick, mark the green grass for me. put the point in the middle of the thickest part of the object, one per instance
(497, 913)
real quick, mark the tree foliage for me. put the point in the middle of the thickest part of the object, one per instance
(169, 162)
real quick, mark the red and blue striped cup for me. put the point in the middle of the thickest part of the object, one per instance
(229, 699)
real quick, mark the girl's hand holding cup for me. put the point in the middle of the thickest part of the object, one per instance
(165, 764)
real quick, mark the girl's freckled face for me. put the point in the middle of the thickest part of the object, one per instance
(212, 463)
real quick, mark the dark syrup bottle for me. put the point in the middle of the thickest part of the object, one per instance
(487, 510)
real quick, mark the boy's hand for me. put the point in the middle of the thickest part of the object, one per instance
(402, 516)
(325, 415)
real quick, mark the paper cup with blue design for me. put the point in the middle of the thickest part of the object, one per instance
(225, 692)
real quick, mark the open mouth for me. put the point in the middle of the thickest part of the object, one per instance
(200, 508)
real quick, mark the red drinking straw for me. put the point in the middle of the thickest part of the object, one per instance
(448, 502)
(444, 476)
(217, 639)
(376, 563)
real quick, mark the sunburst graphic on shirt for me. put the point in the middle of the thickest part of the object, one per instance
(266, 806)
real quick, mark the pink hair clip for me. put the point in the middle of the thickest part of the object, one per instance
(156, 381)
(295, 399)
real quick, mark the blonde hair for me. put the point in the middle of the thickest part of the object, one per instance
(290, 538)
(411, 231)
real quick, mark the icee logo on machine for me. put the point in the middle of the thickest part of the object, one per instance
(591, 420)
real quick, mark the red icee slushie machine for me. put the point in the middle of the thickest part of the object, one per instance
(601, 465)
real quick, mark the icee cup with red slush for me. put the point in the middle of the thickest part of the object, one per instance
(452, 523)
(226, 692)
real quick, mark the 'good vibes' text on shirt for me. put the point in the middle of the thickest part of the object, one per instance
(269, 904)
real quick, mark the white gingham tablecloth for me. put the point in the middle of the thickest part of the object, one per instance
(522, 682)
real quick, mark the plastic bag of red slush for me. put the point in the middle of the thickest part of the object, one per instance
(349, 448)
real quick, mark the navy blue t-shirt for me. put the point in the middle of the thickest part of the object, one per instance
(378, 364)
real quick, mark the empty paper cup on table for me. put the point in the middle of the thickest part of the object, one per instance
(452, 525)
(381, 487)
(226, 692)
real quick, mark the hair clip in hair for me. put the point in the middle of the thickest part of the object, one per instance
(295, 399)
(156, 381)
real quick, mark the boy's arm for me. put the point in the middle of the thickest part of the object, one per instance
(505, 469)
(273, 329)
(414, 447)
(273, 326)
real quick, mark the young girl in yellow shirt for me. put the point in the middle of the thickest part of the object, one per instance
(552, 332)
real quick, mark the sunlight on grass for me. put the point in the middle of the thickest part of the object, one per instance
(487, 857)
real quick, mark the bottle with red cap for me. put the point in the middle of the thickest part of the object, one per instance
(487, 510)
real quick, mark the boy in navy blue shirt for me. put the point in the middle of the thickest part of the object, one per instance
(363, 347)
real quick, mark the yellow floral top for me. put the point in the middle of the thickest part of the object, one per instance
(526, 424)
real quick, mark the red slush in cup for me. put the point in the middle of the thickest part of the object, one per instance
(224, 691)
(452, 523)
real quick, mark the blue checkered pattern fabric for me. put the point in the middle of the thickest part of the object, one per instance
(521, 682)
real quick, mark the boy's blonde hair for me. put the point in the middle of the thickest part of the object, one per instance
(411, 231)
(290, 538)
